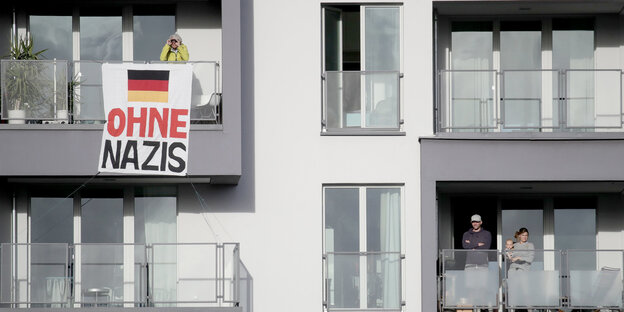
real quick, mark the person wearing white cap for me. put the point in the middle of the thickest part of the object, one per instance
(174, 50)
(476, 238)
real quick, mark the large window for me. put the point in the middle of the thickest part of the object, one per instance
(361, 67)
(151, 27)
(362, 247)
(526, 75)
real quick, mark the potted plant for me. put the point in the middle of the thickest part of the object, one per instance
(21, 79)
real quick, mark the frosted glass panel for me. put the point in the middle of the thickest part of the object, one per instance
(533, 289)
(596, 288)
(471, 288)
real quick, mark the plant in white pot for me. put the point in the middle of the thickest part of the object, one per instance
(21, 87)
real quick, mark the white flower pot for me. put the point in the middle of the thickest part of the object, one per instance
(61, 115)
(17, 116)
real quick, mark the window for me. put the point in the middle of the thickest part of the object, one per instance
(362, 247)
(525, 75)
(53, 33)
(151, 27)
(361, 67)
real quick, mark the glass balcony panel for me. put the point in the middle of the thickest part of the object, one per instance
(467, 100)
(343, 281)
(526, 103)
(34, 90)
(600, 286)
(184, 274)
(382, 100)
(107, 274)
(384, 281)
(230, 272)
(533, 280)
(470, 279)
(594, 98)
(345, 102)
(89, 103)
(35, 274)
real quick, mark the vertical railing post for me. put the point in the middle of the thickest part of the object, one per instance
(148, 301)
(237, 282)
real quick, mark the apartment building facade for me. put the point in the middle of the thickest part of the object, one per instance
(337, 151)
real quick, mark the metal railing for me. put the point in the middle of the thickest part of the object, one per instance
(531, 279)
(119, 275)
(545, 100)
(58, 91)
(355, 281)
(361, 100)
(34, 90)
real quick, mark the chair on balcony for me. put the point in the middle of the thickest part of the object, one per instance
(208, 109)
(99, 296)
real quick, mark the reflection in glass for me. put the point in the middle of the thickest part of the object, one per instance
(155, 222)
(100, 38)
(471, 99)
(150, 34)
(576, 229)
(102, 220)
(102, 264)
(342, 220)
(51, 221)
(344, 280)
(53, 33)
(574, 49)
(522, 103)
(382, 38)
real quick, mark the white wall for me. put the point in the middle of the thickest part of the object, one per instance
(199, 25)
(281, 236)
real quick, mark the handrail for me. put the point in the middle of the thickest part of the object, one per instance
(601, 267)
(109, 258)
(563, 105)
(84, 103)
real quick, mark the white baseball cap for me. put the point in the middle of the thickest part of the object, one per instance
(475, 218)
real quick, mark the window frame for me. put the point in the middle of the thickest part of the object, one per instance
(362, 250)
(362, 129)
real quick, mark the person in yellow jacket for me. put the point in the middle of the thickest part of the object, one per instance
(174, 50)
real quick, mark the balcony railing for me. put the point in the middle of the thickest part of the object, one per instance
(361, 100)
(537, 279)
(58, 91)
(529, 100)
(356, 281)
(119, 275)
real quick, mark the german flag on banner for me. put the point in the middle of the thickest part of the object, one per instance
(148, 86)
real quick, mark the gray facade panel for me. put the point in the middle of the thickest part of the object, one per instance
(517, 159)
(75, 152)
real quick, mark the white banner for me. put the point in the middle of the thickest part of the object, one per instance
(147, 110)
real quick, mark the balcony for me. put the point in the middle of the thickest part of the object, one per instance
(553, 279)
(63, 92)
(361, 100)
(571, 100)
(359, 281)
(119, 275)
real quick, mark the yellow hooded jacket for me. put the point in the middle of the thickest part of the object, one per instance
(168, 55)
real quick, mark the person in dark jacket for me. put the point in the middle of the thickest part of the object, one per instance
(476, 238)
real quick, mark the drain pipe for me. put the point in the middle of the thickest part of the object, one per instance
(436, 107)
